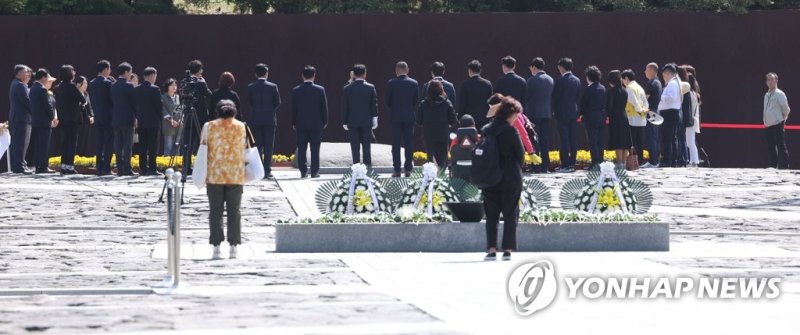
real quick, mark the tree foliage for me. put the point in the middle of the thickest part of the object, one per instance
(40, 7)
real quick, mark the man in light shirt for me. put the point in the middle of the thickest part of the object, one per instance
(776, 111)
(670, 109)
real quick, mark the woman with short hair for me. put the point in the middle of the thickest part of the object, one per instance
(504, 197)
(172, 119)
(225, 176)
(436, 115)
(226, 92)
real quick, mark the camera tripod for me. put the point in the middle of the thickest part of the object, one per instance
(190, 126)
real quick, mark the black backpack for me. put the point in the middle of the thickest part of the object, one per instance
(485, 171)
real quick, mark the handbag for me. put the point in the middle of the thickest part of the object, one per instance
(200, 170)
(632, 162)
(253, 165)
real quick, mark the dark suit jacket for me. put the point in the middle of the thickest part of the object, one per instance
(565, 97)
(512, 85)
(43, 111)
(224, 93)
(149, 106)
(359, 104)
(123, 112)
(20, 102)
(203, 94)
(539, 97)
(309, 106)
(472, 96)
(449, 89)
(100, 97)
(593, 105)
(264, 101)
(402, 96)
(69, 103)
(436, 116)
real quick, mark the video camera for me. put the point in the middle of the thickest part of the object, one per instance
(188, 89)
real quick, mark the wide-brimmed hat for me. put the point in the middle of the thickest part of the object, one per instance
(654, 118)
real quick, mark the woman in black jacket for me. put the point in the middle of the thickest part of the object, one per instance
(504, 197)
(619, 130)
(436, 115)
(224, 92)
(88, 118)
(70, 104)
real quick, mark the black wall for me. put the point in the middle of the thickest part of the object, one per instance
(732, 54)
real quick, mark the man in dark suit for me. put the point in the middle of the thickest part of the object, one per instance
(148, 112)
(472, 95)
(264, 101)
(202, 95)
(20, 119)
(510, 84)
(43, 119)
(360, 114)
(309, 118)
(100, 98)
(402, 97)
(538, 108)
(593, 112)
(437, 73)
(565, 97)
(123, 119)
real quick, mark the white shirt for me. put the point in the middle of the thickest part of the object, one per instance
(671, 97)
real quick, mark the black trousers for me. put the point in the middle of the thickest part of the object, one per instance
(498, 200)
(105, 146)
(69, 142)
(20, 139)
(403, 136)
(776, 144)
(306, 137)
(683, 150)
(542, 126)
(360, 139)
(265, 141)
(148, 149)
(595, 136)
(568, 148)
(669, 137)
(653, 143)
(123, 147)
(637, 134)
(437, 152)
(228, 198)
(41, 147)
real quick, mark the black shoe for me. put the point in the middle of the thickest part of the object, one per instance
(396, 175)
(45, 171)
(303, 176)
(68, 172)
(492, 256)
(269, 176)
(315, 175)
(103, 173)
(408, 174)
(507, 255)
(22, 171)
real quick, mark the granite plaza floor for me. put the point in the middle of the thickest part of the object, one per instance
(106, 236)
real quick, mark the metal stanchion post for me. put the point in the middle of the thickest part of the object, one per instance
(177, 194)
(174, 196)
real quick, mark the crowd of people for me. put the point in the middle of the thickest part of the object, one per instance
(614, 110)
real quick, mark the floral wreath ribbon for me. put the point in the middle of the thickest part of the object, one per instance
(359, 172)
(607, 171)
(429, 174)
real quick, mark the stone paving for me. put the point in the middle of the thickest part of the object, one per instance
(105, 232)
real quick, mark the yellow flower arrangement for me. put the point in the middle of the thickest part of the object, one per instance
(533, 159)
(608, 198)
(362, 198)
(585, 157)
(420, 156)
(162, 162)
(438, 200)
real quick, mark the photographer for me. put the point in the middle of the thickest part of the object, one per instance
(195, 86)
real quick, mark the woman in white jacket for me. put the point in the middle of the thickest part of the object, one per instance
(691, 143)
